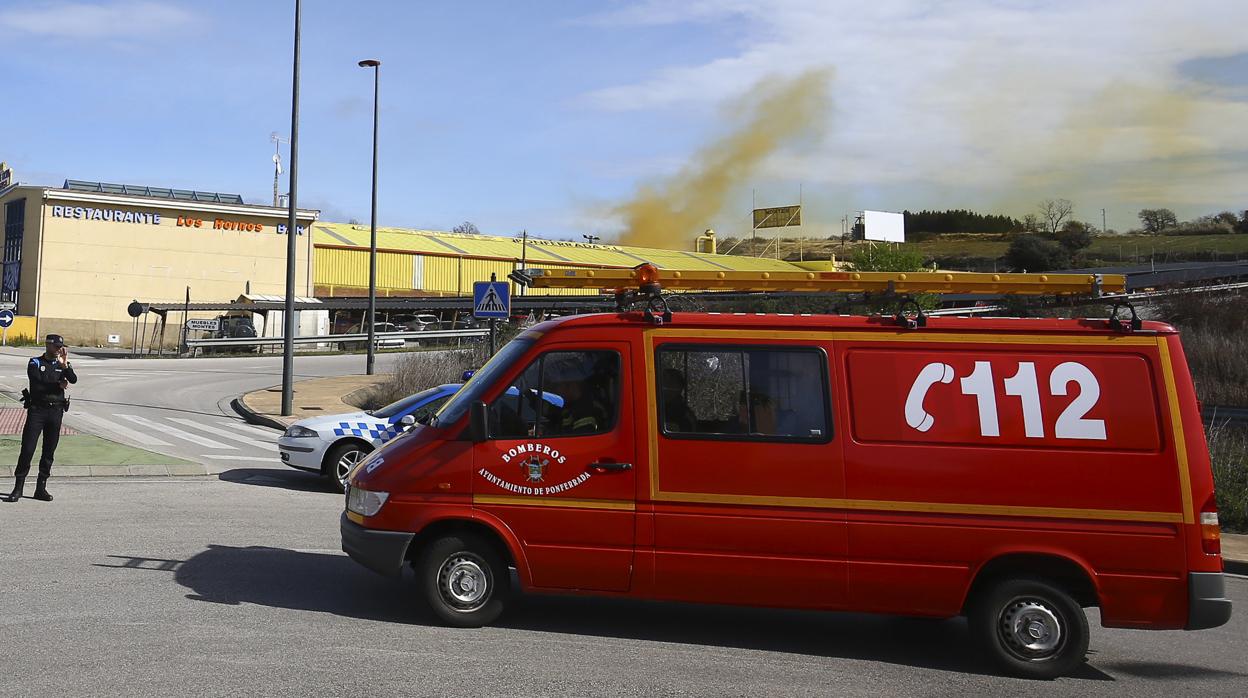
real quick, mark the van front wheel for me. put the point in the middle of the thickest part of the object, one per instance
(1030, 628)
(463, 580)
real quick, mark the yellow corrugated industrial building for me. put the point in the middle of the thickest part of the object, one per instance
(426, 262)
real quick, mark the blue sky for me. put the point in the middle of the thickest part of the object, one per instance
(544, 115)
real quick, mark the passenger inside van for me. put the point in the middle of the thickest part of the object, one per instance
(677, 416)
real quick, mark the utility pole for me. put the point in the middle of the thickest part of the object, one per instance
(370, 363)
(292, 236)
(1103, 222)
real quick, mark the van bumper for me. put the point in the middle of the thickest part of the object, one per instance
(380, 551)
(1207, 605)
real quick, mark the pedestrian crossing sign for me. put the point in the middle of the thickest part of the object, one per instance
(491, 299)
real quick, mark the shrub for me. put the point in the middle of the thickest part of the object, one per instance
(1034, 253)
(886, 258)
(422, 370)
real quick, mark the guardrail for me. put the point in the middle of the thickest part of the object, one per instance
(196, 344)
(1222, 415)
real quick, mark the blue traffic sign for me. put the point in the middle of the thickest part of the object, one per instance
(491, 299)
(6, 319)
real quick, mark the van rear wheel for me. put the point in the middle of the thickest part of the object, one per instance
(1030, 628)
(463, 580)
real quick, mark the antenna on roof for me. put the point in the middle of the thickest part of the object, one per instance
(277, 164)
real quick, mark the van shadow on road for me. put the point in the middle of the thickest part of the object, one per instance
(332, 583)
(285, 479)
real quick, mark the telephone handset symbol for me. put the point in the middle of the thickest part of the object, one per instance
(933, 373)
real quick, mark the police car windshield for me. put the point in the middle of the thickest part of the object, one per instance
(481, 381)
(408, 403)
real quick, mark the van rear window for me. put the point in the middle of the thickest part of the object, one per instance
(743, 393)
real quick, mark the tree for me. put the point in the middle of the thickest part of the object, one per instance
(467, 228)
(1031, 223)
(1075, 236)
(1034, 253)
(1054, 212)
(1242, 226)
(1155, 220)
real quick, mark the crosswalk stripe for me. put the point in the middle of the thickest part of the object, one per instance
(223, 432)
(260, 431)
(127, 432)
(217, 456)
(176, 433)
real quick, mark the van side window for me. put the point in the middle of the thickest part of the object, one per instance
(562, 393)
(743, 393)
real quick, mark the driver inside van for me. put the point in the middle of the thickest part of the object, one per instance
(585, 386)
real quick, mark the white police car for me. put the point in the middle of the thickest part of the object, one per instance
(331, 445)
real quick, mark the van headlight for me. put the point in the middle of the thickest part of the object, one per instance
(364, 502)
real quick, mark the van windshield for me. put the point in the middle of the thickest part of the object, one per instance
(481, 381)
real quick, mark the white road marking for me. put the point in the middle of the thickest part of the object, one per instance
(223, 432)
(175, 432)
(215, 456)
(127, 432)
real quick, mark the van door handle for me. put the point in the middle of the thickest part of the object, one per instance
(603, 467)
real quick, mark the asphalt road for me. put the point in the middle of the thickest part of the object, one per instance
(180, 407)
(236, 587)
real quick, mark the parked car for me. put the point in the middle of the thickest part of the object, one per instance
(380, 342)
(331, 445)
(416, 322)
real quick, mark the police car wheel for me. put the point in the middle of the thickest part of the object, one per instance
(340, 461)
(1030, 628)
(463, 580)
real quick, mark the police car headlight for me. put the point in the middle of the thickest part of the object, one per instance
(298, 432)
(366, 503)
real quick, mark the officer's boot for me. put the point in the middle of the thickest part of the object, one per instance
(41, 489)
(18, 485)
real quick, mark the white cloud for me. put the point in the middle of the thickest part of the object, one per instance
(100, 20)
(973, 94)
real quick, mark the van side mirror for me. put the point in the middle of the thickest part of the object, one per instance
(478, 422)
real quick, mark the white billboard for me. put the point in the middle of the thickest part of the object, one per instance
(880, 225)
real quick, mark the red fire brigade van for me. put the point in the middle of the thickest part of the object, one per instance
(1013, 471)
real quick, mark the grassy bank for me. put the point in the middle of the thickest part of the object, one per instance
(1228, 447)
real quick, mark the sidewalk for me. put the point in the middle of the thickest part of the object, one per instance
(85, 455)
(312, 398)
(1235, 552)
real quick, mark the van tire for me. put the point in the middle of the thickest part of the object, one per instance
(1030, 628)
(451, 572)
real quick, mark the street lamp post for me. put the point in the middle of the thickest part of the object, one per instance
(372, 243)
(292, 235)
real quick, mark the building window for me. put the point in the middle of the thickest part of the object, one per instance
(744, 393)
(14, 229)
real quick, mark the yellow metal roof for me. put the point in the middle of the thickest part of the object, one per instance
(539, 251)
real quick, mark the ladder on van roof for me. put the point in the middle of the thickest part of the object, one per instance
(649, 278)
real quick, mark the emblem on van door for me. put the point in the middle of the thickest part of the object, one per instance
(534, 468)
(532, 460)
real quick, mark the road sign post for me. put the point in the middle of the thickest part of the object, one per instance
(6, 321)
(491, 300)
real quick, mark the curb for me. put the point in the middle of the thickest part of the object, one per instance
(77, 472)
(1235, 566)
(252, 417)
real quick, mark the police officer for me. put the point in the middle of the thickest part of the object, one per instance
(46, 403)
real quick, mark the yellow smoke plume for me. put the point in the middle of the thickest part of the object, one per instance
(668, 213)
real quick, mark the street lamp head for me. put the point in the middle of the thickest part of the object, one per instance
(370, 63)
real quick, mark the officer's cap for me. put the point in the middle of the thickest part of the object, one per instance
(55, 340)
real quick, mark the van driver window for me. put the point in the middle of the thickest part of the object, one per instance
(743, 393)
(562, 393)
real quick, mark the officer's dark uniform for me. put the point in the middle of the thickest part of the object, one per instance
(45, 408)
